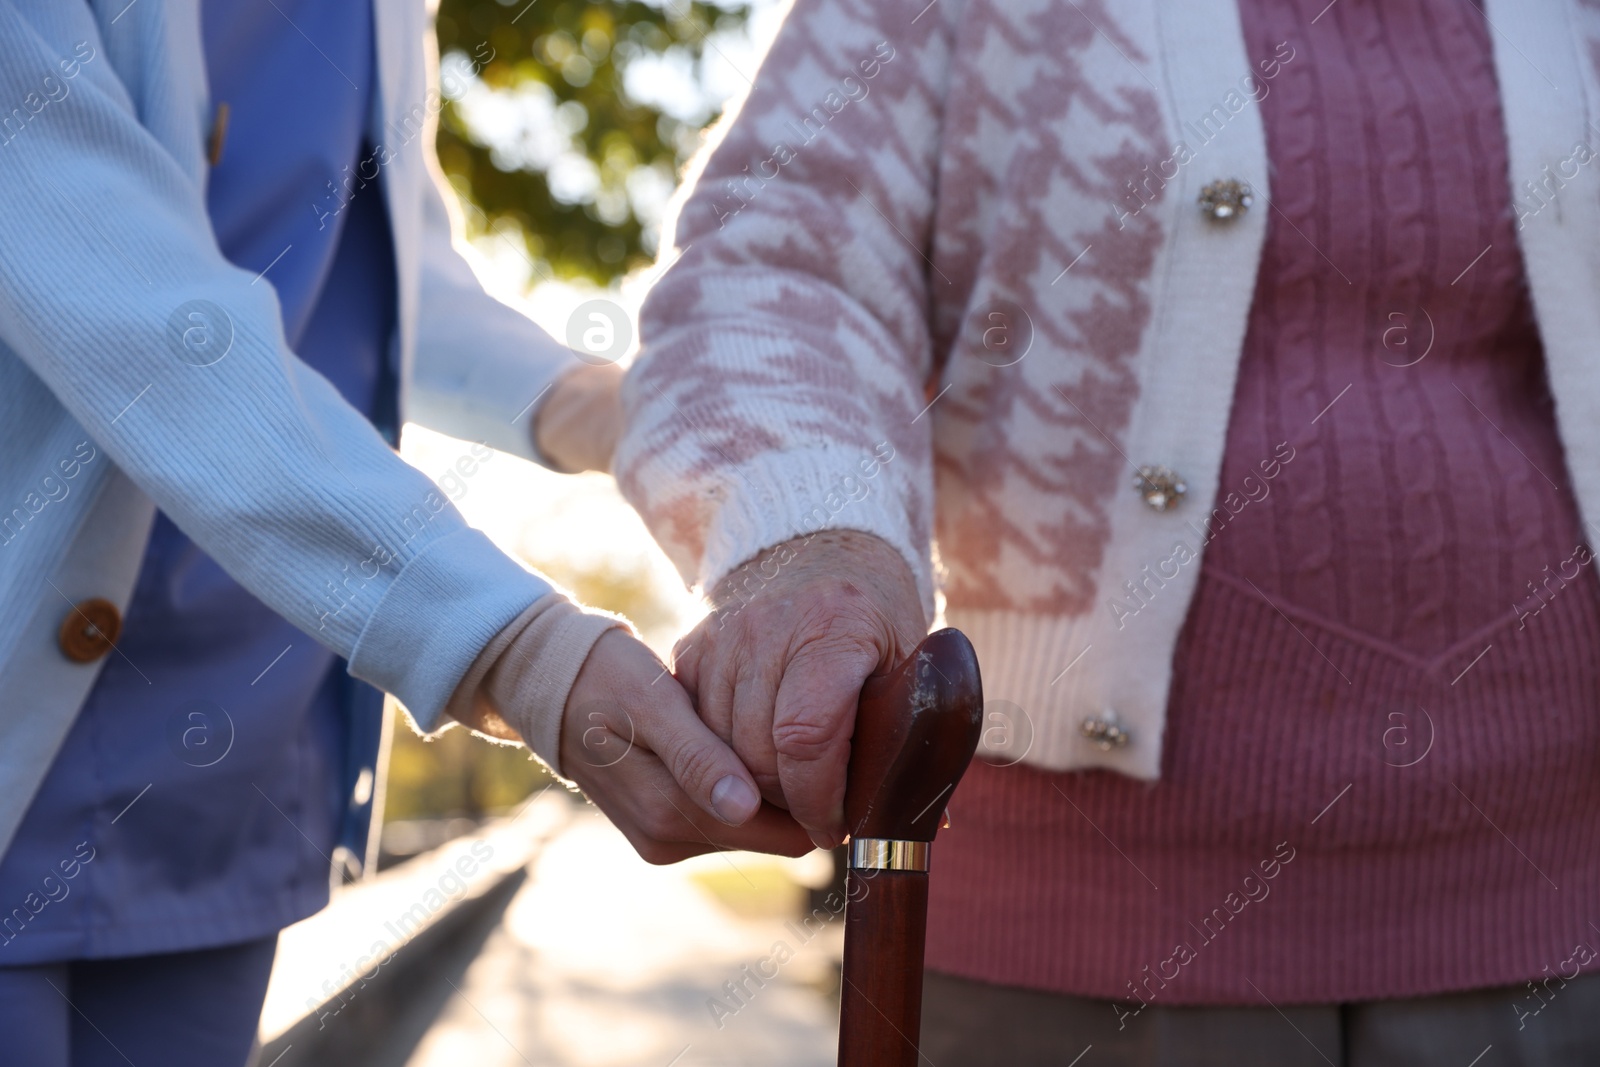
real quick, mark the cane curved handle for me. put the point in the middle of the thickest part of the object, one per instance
(917, 728)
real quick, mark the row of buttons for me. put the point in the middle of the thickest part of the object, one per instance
(1222, 200)
(1162, 487)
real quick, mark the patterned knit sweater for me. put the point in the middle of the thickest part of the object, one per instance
(1389, 674)
(944, 279)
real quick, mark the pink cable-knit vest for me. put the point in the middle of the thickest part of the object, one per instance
(1382, 768)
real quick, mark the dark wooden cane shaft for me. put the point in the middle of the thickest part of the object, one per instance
(915, 731)
(881, 999)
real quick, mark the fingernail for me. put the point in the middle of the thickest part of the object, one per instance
(822, 841)
(734, 801)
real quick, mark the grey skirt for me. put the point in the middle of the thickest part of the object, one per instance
(974, 1024)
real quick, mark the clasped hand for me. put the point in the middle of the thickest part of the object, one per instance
(774, 673)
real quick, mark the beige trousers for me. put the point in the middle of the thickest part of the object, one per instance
(974, 1024)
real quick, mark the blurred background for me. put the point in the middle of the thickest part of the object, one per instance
(564, 129)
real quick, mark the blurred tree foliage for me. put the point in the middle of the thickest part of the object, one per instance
(580, 212)
(565, 60)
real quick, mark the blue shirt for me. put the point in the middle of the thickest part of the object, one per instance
(250, 736)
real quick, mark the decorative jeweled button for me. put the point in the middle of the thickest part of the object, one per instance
(1225, 198)
(1161, 487)
(1105, 731)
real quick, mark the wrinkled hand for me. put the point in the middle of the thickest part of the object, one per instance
(577, 426)
(778, 665)
(631, 740)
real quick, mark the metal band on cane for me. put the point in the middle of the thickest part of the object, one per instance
(880, 854)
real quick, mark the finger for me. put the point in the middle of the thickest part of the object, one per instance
(771, 829)
(787, 839)
(701, 663)
(702, 765)
(755, 691)
(660, 813)
(813, 717)
(686, 657)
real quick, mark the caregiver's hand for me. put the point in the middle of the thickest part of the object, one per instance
(631, 740)
(577, 425)
(778, 665)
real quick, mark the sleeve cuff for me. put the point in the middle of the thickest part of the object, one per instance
(440, 611)
(795, 493)
(527, 672)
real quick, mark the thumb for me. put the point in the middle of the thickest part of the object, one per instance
(705, 768)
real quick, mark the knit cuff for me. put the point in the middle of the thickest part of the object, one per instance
(526, 672)
(444, 605)
(797, 492)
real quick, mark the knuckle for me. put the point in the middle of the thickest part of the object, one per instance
(693, 766)
(806, 738)
(843, 626)
(743, 644)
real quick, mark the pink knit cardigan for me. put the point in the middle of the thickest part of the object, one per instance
(944, 278)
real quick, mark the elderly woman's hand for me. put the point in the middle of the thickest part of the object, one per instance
(778, 665)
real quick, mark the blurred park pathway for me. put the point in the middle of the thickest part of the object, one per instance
(601, 960)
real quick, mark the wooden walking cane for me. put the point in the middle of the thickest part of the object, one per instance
(916, 730)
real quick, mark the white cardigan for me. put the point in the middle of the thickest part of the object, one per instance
(104, 114)
(819, 250)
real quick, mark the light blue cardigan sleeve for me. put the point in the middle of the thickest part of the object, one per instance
(481, 367)
(106, 255)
